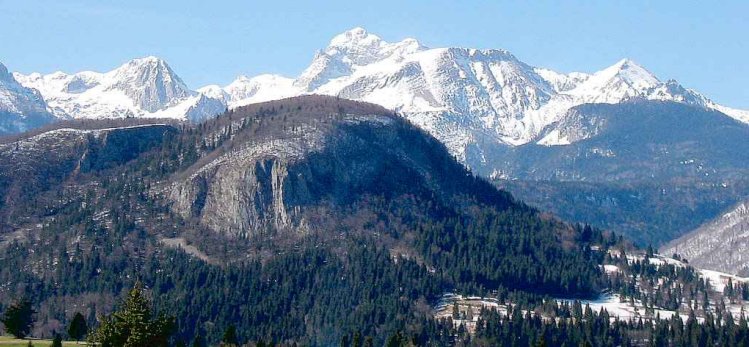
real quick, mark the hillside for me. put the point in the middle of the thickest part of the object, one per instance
(719, 244)
(650, 170)
(318, 208)
(647, 212)
(301, 220)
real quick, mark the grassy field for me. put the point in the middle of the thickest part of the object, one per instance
(8, 341)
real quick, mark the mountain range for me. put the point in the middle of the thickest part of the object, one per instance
(304, 219)
(467, 98)
(617, 132)
(145, 87)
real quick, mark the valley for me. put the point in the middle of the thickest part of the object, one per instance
(387, 193)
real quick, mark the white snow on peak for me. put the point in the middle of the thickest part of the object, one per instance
(359, 47)
(740, 115)
(354, 37)
(467, 98)
(144, 87)
(244, 90)
(562, 82)
(630, 72)
(19, 104)
(464, 97)
(350, 51)
(149, 82)
(213, 91)
(623, 80)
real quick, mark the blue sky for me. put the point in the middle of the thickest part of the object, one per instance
(704, 45)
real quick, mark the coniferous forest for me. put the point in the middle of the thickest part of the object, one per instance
(348, 226)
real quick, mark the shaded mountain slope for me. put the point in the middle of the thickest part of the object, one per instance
(638, 141)
(650, 170)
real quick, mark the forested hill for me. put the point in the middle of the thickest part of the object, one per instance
(297, 220)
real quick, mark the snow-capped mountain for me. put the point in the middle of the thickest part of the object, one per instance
(21, 108)
(145, 87)
(720, 244)
(472, 100)
(469, 99)
(245, 90)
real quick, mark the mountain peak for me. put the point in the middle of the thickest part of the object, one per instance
(359, 41)
(626, 62)
(150, 82)
(630, 72)
(5, 75)
(349, 51)
(21, 108)
(354, 37)
(149, 62)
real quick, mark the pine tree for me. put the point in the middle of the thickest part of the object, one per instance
(19, 318)
(78, 327)
(230, 337)
(395, 340)
(57, 341)
(133, 325)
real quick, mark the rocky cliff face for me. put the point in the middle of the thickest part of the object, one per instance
(150, 83)
(21, 108)
(284, 169)
(240, 193)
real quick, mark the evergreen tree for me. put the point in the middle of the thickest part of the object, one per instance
(133, 325)
(230, 337)
(19, 318)
(78, 327)
(395, 340)
(57, 341)
(357, 342)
